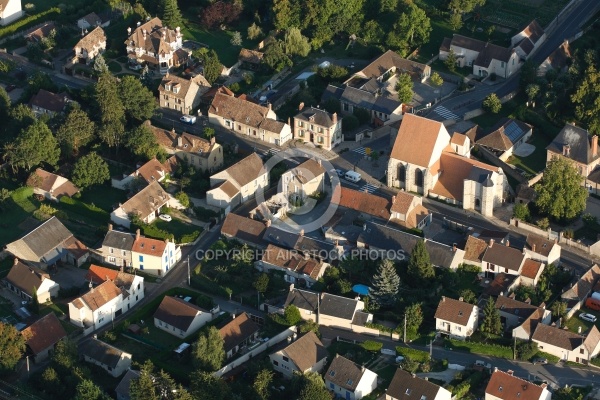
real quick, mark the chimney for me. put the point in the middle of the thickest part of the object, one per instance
(301, 232)
(137, 234)
(128, 31)
(95, 336)
(179, 140)
(443, 299)
(213, 140)
(216, 108)
(110, 227)
(460, 298)
(533, 247)
(393, 199)
(491, 243)
(167, 240)
(454, 247)
(301, 106)
(414, 375)
(268, 223)
(334, 118)
(144, 32)
(232, 315)
(508, 243)
(528, 301)
(495, 369)
(426, 378)
(594, 146)
(510, 372)
(16, 261)
(291, 287)
(269, 106)
(544, 385)
(579, 329)
(501, 294)
(542, 306)
(566, 150)
(289, 121)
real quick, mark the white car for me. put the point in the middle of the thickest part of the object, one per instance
(399, 359)
(588, 317)
(165, 217)
(389, 352)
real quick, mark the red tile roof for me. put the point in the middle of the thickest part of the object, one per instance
(531, 268)
(455, 311)
(505, 386)
(363, 202)
(44, 333)
(151, 247)
(416, 140)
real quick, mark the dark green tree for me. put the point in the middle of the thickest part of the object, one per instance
(142, 142)
(88, 390)
(560, 193)
(385, 284)
(138, 100)
(559, 309)
(491, 324)
(261, 283)
(295, 44)
(12, 347)
(35, 303)
(286, 14)
(313, 388)
(111, 111)
(436, 79)
(209, 353)
(420, 268)
(414, 319)
(262, 382)
(404, 87)
(456, 21)
(451, 60)
(90, 170)
(171, 16)
(21, 117)
(211, 63)
(206, 386)
(77, 131)
(33, 146)
(65, 356)
(468, 296)
(492, 103)
(521, 211)
(292, 315)
(143, 388)
(275, 58)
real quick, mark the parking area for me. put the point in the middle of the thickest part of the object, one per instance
(67, 276)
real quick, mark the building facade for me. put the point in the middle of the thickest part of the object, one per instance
(317, 126)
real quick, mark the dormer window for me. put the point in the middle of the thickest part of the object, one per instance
(332, 373)
(408, 391)
(168, 86)
(176, 88)
(349, 382)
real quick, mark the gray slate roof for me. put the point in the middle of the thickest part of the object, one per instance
(344, 373)
(102, 352)
(362, 98)
(40, 241)
(119, 240)
(579, 141)
(122, 389)
(302, 299)
(341, 307)
(321, 117)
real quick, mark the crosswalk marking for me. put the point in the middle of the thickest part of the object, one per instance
(271, 152)
(444, 112)
(369, 188)
(360, 150)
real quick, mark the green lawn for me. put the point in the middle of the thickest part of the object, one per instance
(114, 67)
(352, 352)
(536, 161)
(104, 197)
(574, 323)
(13, 212)
(182, 231)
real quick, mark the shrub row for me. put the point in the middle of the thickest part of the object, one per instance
(372, 345)
(29, 21)
(202, 283)
(414, 354)
(493, 350)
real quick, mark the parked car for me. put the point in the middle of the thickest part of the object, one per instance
(588, 317)
(10, 88)
(539, 360)
(399, 359)
(135, 67)
(188, 119)
(389, 352)
(165, 217)
(483, 364)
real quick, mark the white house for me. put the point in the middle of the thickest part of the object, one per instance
(302, 355)
(349, 380)
(506, 386)
(10, 10)
(317, 126)
(541, 249)
(456, 318)
(298, 268)
(179, 317)
(97, 307)
(23, 279)
(51, 186)
(146, 204)
(302, 181)
(131, 285)
(567, 345)
(154, 256)
(107, 357)
(520, 317)
(576, 295)
(238, 183)
(423, 161)
(238, 332)
(528, 40)
(406, 386)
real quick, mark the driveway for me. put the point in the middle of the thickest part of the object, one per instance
(68, 276)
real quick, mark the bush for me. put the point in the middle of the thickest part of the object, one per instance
(521, 212)
(468, 268)
(487, 349)
(526, 350)
(371, 345)
(205, 302)
(189, 237)
(204, 214)
(413, 354)
(183, 198)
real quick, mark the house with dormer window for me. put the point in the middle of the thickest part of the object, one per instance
(579, 146)
(521, 317)
(506, 386)
(155, 257)
(407, 386)
(349, 380)
(90, 46)
(456, 318)
(317, 126)
(182, 94)
(146, 205)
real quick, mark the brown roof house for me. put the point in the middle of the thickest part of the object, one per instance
(298, 268)
(204, 155)
(503, 258)
(577, 145)
(407, 210)
(131, 285)
(485, 58)
(156, 45)
(181, 94)
(51, 186)
(10, 10)
(90, 46)
(302, 181)
(48, 244)
(528, 40)
(42, 336)
(557, 60)
(542, 249)
(349, 380)
(567, 345)
(244, 230)
(407, 386)
(237, 333)
(238, 183)
(302, 355)
(93, 20)
(506, 386)
(248, 119)
(42, 32)
(180, 318)
(23, 279)
(151, 171)
(97, 307)
(112, 360)
(521, 317)
(579, 292)
(250, 59)
(456, 318)
(146, 204)
(45, 102)
(505, 137)
(474, 250)
(317, 126)
(423, 161)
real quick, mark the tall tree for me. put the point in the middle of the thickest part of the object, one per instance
(64, 356)
(100, 66)
(292, 315)
(414, 319)
(142, 142)
(211, 64)
(491, 324)
(262, 382)
(261, 283)
(385, 284)
(560, 193)
(88, 390)
(206, 386)
(450, 62)
(456, 21)
(171, 16)
(404, 87)
(12, 347)
(411, 30)
(34, 145)
(464, 6)
(436, 79)
(295, 44)
(4, 109)
(275, 57)
(75, 132)
(587, 97)
(142, 388)
(138, 100)
(286, 14)
(209, 353)
(90, 170)
(420, 268)
(35, 302)
(111, 110)
(313, 388)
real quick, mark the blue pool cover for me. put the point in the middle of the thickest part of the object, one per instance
(361, 289)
